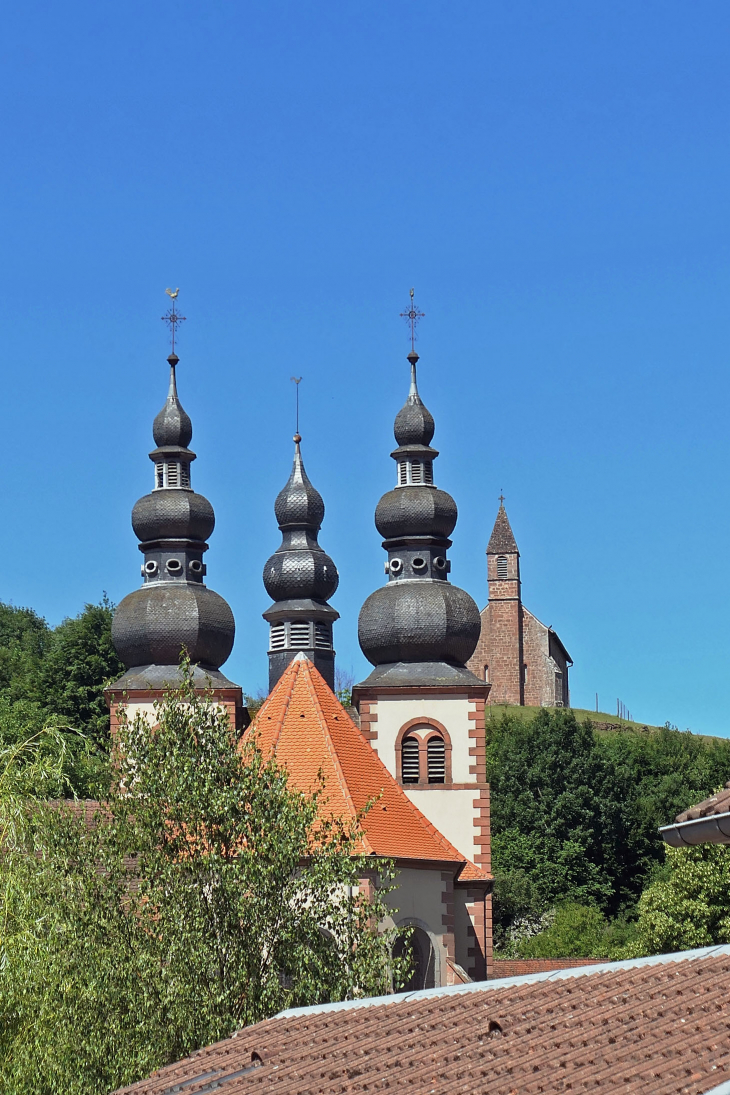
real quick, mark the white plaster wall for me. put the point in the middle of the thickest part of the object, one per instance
(452, 812)
(451, 711)
(462, 923)
(417, 900)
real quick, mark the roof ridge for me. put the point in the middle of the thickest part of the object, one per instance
(698, 954)
(307, 666)
(278, 725)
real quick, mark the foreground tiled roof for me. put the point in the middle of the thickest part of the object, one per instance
(718, 803)
(657, 1026)
(706, 823)
(304, 723)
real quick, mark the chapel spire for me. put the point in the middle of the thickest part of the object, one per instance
(502, 540)
(300, 578)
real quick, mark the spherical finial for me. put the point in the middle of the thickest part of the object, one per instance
(297, 438)
(413, 357)
(173, 359)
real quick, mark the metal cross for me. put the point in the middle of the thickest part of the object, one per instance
(297, 380)
(501, 499)
(412, 317)
(171, 318)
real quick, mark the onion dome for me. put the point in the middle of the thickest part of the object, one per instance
(172, 426)
(414, 423)
(174, 610)
(418, 628)
(300, 578)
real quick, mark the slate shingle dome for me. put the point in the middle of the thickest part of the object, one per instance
(418, 621)
(413, 511)
(172, 425)
(152, 625)
(173, 514)
(300, 578)
(174, 609)
(418, 617)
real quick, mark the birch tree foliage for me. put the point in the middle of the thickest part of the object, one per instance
(204, 894)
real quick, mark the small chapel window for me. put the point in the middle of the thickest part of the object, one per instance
(501, 566)
(436, 760)
(410, 766)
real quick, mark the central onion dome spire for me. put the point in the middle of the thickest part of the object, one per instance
(418, 628)
(300, 578)
(173, 610)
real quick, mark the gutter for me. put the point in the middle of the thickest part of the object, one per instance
(714, 829)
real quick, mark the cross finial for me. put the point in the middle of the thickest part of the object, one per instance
(297, 380)
(412, 317)
(501, 498)
(171, 317)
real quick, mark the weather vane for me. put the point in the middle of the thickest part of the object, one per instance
(297, 380)
(172, 317)
(412, 317)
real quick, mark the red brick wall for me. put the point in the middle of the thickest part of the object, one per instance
(518, 967)
(500, 642)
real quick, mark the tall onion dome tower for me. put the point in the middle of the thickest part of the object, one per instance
(173, 611)
(418, 628)
(300, 578)
(421, 708)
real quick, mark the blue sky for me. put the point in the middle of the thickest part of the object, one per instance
(552, 178)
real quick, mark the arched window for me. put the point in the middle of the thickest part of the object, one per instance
(423, 960)
(501, 566)
(436, 759)
(486, 673)
(410, 765)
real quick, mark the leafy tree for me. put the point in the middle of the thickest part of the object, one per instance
(24, 640)
(561, 812)
(205, 895)
(689, 905)
(79, 662)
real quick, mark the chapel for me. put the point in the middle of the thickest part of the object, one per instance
(522, 659)
(413, 744)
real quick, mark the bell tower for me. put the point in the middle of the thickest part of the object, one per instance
(300, 578)
(421, 709)
(504, 654)
(174, 610)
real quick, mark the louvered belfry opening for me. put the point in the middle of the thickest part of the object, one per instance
(501, 566)
(436, 760)
(410, 764)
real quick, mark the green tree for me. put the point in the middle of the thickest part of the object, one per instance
(206, 894)
(561, 812)
(689, 905)
(78, 662)
(24, 640)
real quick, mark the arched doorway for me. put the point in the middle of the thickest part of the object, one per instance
(423, 959)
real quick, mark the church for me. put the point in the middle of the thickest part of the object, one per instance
(414, 739)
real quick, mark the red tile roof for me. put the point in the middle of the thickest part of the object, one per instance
(303, 722)
(657, 1026)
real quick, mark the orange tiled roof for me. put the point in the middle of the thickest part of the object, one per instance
(308, 729)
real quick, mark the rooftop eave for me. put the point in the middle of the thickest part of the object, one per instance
(714, 829)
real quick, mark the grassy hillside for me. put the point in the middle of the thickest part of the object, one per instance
(601, 720)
